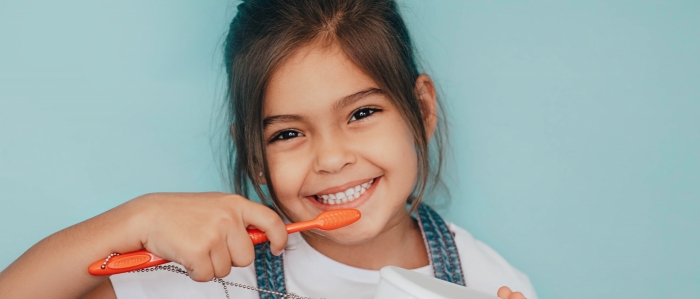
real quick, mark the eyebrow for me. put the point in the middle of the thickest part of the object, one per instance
(351, 99)
(280, 119)
(342, 103)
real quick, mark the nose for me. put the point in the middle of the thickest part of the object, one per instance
(333, 153)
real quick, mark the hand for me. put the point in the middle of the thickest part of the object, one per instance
(505, 293)
(205, 232)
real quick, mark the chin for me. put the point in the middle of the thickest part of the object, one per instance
(353, 234)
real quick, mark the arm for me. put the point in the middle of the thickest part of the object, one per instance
(103, 291)
(57, 265)
(200, 231)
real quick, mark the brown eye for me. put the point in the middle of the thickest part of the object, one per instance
(362, 113)
(286, 135)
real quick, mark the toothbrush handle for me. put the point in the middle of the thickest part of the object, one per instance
(126, 262)
(258, 236)
(143, 259)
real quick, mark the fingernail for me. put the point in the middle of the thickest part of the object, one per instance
(279, 253)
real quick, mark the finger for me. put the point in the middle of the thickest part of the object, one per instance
(504, 292)
(269, 222)
(517, 295)
(200, 269)
(240, 248)
(220, 260)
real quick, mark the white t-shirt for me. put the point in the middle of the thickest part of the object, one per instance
(311, 274)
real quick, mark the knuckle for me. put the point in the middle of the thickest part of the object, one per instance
(199, 277)
(276, 220)
(224, 271)
(210, 238)
(205, 250)
(243, 258)
(222, 220)
(272, 220)
(199, 274)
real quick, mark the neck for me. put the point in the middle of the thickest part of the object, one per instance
(400, 245)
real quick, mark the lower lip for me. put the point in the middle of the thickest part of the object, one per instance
(350, 205)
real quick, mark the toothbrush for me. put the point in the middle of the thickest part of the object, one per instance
(136, 260)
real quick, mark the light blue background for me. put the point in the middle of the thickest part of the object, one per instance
(575, 126)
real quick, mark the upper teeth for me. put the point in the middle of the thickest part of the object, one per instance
(346, 196)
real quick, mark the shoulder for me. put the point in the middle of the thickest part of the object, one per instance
(167, 284)
(485, 269)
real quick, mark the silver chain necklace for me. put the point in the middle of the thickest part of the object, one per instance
(224, 284)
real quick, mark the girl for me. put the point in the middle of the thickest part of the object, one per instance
(328, 110)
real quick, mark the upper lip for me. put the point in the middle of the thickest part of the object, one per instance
(343, 187)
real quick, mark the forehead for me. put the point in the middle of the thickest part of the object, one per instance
(314, 76)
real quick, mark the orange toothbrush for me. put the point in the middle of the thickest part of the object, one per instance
(136, 260)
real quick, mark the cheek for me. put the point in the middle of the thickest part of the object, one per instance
(287, 172)
(393, 149)
(403, 146)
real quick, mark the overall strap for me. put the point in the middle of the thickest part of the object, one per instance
(441, 246)
(269, 270)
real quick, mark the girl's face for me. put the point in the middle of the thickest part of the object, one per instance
(335, 141)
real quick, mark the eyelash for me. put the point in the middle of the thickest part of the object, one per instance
(280, 136)
(284, 135)
(371, 111)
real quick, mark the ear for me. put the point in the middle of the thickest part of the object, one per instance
(425, 91)
(260, 178)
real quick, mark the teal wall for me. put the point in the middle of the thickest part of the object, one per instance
(575, 126)
(576, 133)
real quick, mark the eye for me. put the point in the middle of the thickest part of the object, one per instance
(362, 113)
(286, 135)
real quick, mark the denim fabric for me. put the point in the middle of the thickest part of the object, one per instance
(269, 270)
(441, 246)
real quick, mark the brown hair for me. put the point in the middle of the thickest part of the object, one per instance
(370, 32)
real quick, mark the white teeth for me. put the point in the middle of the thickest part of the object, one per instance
(347, 196)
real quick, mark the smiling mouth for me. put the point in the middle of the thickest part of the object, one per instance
(343, 197)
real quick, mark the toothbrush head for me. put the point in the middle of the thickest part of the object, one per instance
(337, 218)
